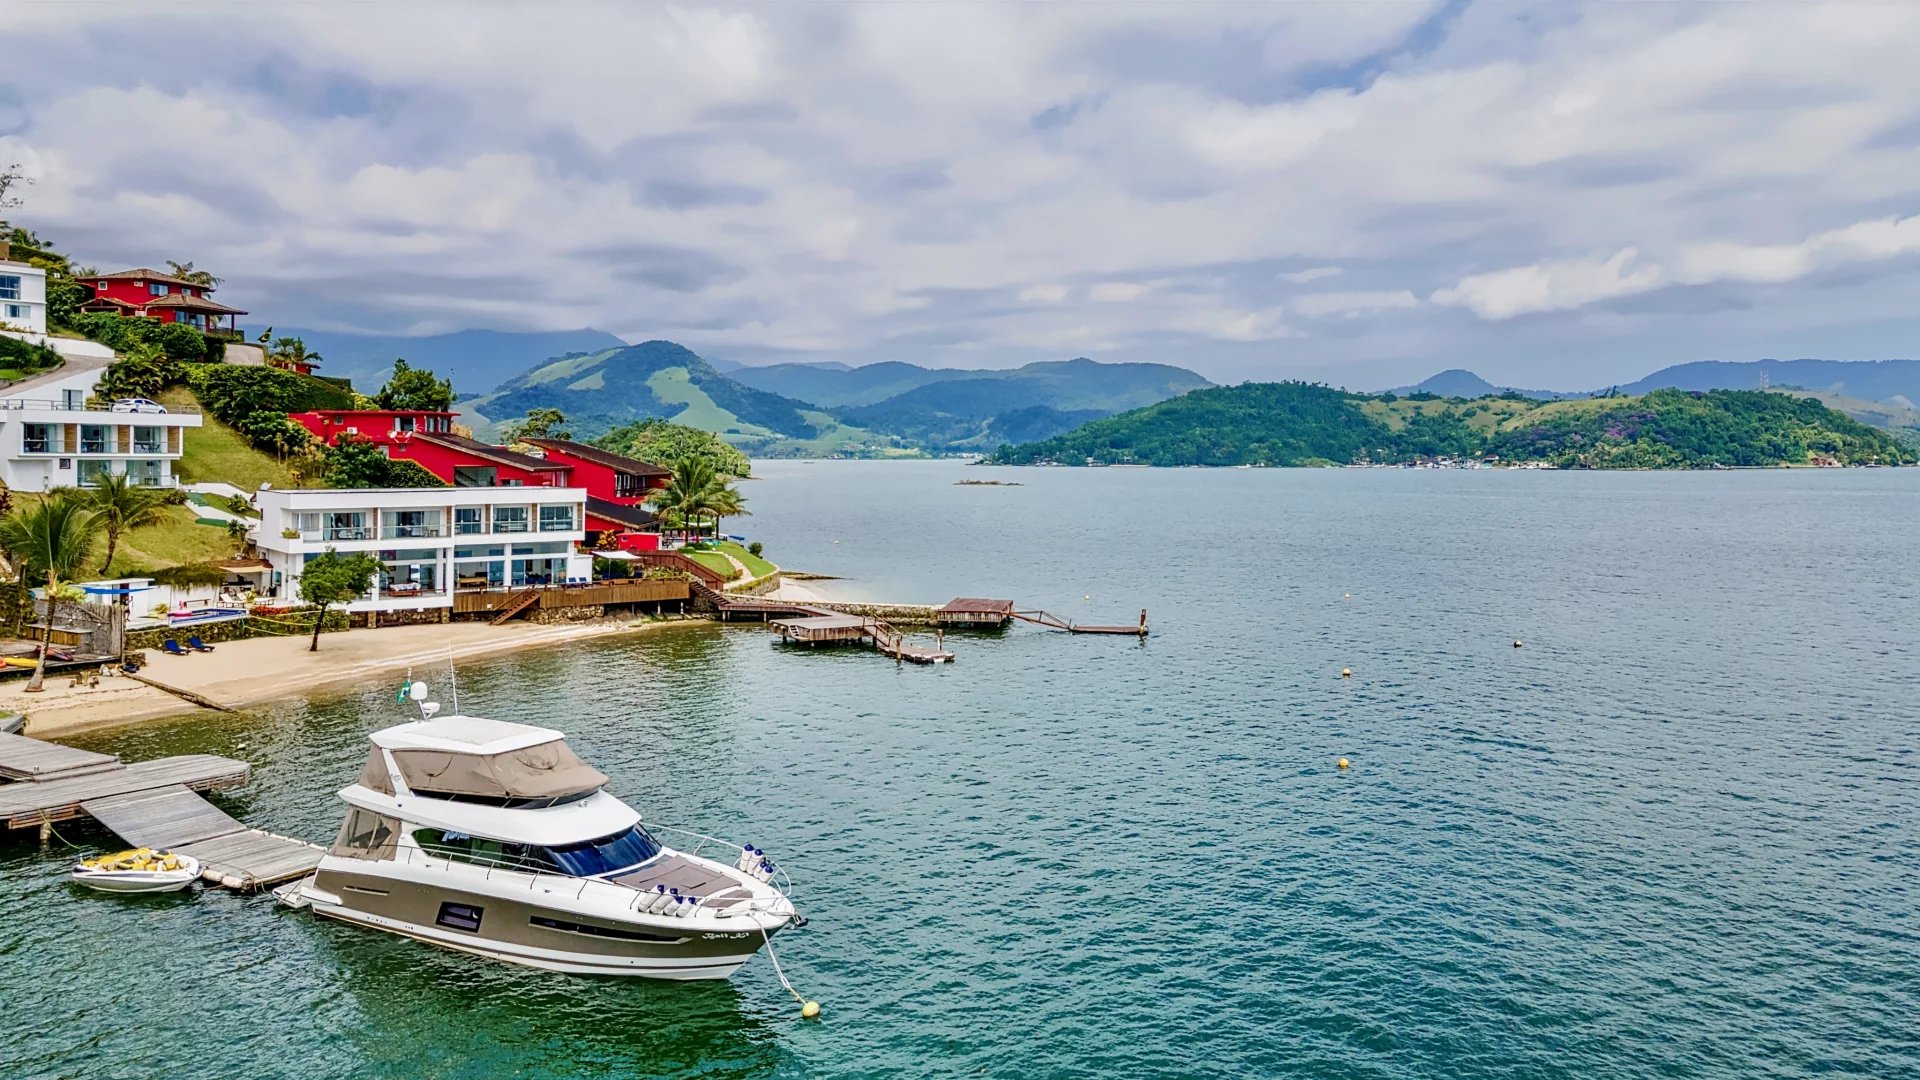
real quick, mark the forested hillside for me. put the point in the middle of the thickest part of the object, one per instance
(1302, 424)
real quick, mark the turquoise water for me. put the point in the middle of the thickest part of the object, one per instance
(1673, 835)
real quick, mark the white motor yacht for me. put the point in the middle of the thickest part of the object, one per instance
(497, 839)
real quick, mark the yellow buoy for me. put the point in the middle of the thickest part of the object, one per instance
(1346, 673)
(1343, 763)
(810, 1010)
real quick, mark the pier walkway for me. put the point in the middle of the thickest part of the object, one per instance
(148, 804)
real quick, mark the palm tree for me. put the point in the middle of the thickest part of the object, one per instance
(289, 352)
(121, 506)
(690, 490)
(726, 502)
(53, 539)
(185, 272)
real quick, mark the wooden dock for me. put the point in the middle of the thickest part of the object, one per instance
(974, 611)
(230, 854)
(148, 804)
(836, 629)
(28, 804)
(1055, 622)
(22, 758)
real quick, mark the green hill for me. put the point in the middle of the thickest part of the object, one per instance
(937, 410)
(1302, 424)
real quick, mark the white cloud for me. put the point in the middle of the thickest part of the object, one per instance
(1864, 241)
(1550, 286)
(1320, 305)
(1118, 291)
(1312, 273)
(849, 177)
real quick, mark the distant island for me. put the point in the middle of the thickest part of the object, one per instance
(1303, 424)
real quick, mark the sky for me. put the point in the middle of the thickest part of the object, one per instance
(1558, 195)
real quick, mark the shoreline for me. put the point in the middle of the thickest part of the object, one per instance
(256, 671)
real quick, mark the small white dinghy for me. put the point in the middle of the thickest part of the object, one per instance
(141, 870)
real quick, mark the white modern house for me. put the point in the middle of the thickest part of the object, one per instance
(23, 299)
(430, 541)
(54, 433)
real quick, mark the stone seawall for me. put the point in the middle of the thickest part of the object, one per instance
(897, 614)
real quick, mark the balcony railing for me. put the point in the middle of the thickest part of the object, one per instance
(556, 526)
(510, 526)
(95, 407)
(410, 532)
(149, 448)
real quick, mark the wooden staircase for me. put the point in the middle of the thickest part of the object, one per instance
(516, 604)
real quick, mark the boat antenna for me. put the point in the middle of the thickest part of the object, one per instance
(453, 682)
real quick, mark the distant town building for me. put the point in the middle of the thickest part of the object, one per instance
(149, 294)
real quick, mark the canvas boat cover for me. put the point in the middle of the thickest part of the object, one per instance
(546, 771)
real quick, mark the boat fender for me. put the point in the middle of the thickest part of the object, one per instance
(746, 856)
(687, 904)
(651, 900)
(665, 902)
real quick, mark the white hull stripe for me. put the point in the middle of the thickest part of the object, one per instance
(701, 967)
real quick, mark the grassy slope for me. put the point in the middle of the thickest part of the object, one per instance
(713, 561)
(215, 451)
(674, 386)
(756, 566)
(176, 541)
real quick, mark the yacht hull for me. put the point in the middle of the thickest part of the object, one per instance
(534, 934)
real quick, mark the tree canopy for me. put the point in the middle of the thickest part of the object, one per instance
(358, 463)
(540, 423)
(415, 388)
(332, 578)
(662, 442)
(1304, 424)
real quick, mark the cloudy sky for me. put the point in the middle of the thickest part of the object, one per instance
(1555, 195)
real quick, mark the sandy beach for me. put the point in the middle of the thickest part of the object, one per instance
(241, 673)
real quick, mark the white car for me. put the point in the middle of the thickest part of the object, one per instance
(138, 404)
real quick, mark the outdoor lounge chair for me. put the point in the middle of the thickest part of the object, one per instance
(172, 648)
(194, 643)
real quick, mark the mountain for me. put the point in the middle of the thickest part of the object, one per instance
(956, 411)
(601, 390)
(1461, 383)
(1304, 424)
(476, 360)
(1868, 380)
(1061, 384)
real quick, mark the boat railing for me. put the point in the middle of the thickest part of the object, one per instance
(780, 879)
(626, 895)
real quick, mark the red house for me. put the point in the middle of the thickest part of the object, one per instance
(378, 426)
(149, 294)
(613, 477)
(465, 462)
(616, 486)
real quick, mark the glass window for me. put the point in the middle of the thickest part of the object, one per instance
(19, 311)
(38, 438)
(466, 521)
(556, 518)
(92, 471)
(154, 288)
(474, 475)
(606, 855)
(147, 440)
(509, 519)
(366, 835)
(93, 439)
(403, 423)
(9, 286)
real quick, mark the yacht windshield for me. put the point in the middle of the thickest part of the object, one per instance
(607, 854)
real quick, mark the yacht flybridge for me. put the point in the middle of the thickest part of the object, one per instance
(497, 839)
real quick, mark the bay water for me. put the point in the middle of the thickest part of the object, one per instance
(1672, 834)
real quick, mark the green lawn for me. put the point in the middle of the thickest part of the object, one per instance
(712, 560)
(215, 451)
(176, 541)
(756, 566)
